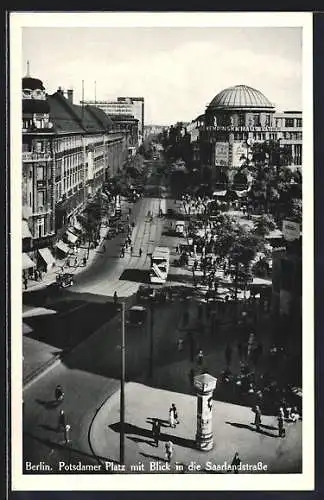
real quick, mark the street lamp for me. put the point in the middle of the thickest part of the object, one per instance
(122, 388)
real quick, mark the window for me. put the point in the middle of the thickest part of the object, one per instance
(267, 120)
(299, 122)
(256, 120)
(289, 122)
(40, 199)
(40, 173)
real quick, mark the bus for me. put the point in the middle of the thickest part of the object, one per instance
(160, 261)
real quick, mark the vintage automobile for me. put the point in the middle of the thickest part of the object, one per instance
(136, 315)
(64, 280)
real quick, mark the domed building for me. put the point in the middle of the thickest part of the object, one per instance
(234, 119)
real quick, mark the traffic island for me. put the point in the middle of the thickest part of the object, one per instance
(233, 427)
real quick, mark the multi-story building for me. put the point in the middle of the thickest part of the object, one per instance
(67, 153)
(236, 118)
(138, 112)
(124, 111)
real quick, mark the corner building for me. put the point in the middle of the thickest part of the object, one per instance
(236, 118)
(68, 151)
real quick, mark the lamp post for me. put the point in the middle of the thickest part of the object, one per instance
(122, 388)
(205, 384)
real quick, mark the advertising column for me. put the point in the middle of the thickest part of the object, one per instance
(205, 385)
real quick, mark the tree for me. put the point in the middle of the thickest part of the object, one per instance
(264, 225)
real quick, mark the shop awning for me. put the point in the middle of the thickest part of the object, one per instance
(25, 230)
(47, 256)
(71, 237)
(274, 234)
(219, 193)
(26, 329)
(27, 263)
(62, 246)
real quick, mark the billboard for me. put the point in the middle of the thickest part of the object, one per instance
(222, 154)
(239, 150)
(290, 230)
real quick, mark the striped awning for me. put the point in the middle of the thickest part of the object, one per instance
(47, 256)
(27, 263)
(62, 246)
(25, 230)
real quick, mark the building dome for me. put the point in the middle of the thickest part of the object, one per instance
(241, 97)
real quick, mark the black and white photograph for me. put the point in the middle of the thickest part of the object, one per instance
(161, 287)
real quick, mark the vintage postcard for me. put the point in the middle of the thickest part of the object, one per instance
(161, 251)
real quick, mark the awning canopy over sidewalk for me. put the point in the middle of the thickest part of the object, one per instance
(62, 247)
(27, 263)
(71, 237)
(47, 256)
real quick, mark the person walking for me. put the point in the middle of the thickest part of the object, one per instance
(175, 413)
(61, 420)
(25, 282)
(103, 248)
(281, 428)
(228, 355)
(236, 462)
(156, 431)
(171, 418)
(168, 451)
(67, 430)
(180, 344)
(257, 418)
(115, 298)
(140, 252)
(59, 393)
(200, 357)
(131, 250)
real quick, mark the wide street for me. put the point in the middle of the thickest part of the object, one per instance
(88, 371)
(81, 329)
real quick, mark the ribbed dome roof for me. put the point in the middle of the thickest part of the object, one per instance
(240, 96)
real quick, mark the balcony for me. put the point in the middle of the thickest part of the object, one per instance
(34, 157)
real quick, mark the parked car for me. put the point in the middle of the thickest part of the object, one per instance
(136, 315)
(64, 280)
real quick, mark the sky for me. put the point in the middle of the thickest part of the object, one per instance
(177, 70)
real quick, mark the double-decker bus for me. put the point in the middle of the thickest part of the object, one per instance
(160, 261)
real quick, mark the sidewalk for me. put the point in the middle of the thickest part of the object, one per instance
(50, 277)
(232, 432)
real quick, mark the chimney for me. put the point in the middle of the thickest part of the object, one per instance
(70, 96)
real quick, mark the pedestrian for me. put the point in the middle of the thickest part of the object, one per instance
(61, 420)
(140, 252)
(168, 451)
(115, 298)
(25, 282)
(236, 462)
(281, 429)
(75, 261)
(171, 418)
(228, 355)
(67, 430)
(175, 412)
(59, 393)
(36, 275)
(84, 261)
(200, 357)
(103, 248)
(180, 344)
(156, 430)
(177, 248)
(129, 211)
(257, 418)
(131, 250)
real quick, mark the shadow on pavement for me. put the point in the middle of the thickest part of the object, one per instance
(154, 457)
(163, 423)
(250, 428)
(138, 275)
(134, 429)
